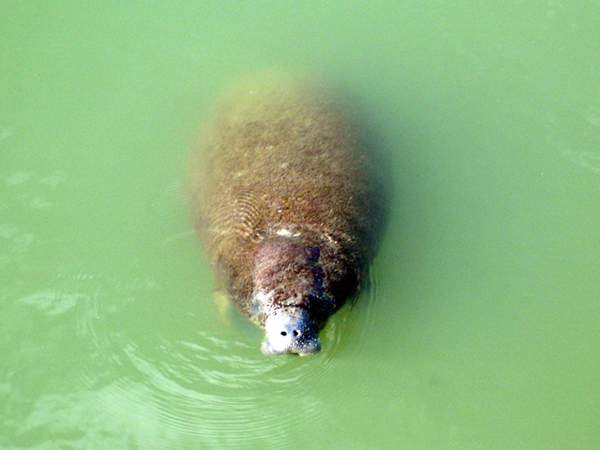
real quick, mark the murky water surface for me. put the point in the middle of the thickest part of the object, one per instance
(481, 328)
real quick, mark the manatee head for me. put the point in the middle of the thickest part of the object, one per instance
(290, 330)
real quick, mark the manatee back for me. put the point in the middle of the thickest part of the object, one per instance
(280, 158)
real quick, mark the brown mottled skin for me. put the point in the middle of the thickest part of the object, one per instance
(285, 206)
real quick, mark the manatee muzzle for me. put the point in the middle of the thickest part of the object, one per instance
(290, 330)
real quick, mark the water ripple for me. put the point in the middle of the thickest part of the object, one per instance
(177, 386)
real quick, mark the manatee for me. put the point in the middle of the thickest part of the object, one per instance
(286, 206)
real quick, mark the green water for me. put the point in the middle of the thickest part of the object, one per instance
(481, 330)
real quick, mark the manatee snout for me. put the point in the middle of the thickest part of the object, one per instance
(290, 330)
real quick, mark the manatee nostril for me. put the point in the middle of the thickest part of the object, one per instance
(296, 333)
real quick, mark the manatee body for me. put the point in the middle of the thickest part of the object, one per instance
(286, 207)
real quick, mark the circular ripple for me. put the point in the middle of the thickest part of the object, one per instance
(211, 391)
(208, 388)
